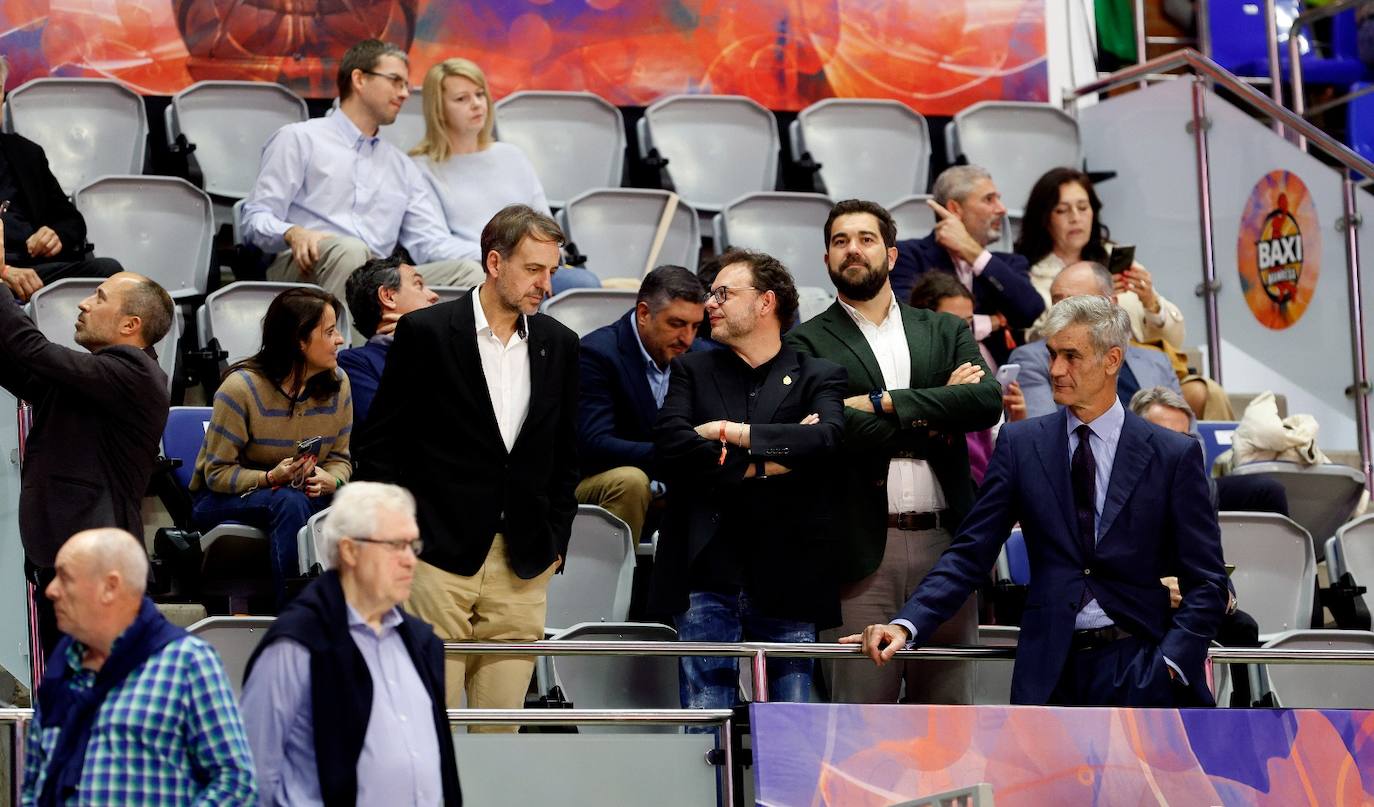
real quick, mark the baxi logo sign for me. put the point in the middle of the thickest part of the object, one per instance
(1278, 250)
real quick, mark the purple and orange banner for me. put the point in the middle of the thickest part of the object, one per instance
(809, 755)
(937, 56)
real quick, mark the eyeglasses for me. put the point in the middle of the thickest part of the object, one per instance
(417, 546)
(722, 293)
(399, 82)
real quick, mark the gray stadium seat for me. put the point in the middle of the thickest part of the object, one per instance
(234, 638)
(1016, 141)
(913, 216)
(1320, 686)
(867, 149)
(595, 583)
(615, 228)
(409, 128)
(229, 122)
(161, 227)
(233, 316)
(1320, 497)
(88, 127)
(585, 310)
(576, 140)
(1276, 569)
(308, 543)
(718, 147)
(449, 293)
(54, 309)
(1351, 550)
(788, 226)
(992, 677)
(616, 682)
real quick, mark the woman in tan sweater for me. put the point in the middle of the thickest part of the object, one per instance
(252, 468)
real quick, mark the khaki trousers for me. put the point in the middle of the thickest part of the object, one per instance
(493, 605)
(341, 255)
(623, 491)
(908, 558)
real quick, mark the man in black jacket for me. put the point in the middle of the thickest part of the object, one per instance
(45, 235)
(475, 415)
(97, 420)
(344, 644)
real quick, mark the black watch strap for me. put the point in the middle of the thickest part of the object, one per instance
(876, 398)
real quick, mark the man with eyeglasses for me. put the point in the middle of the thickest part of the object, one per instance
(331, 194)
(744, 437)
(343, 700)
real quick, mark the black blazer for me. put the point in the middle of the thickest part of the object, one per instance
(42, 198)
(432, 430)
(97, 424)
(792, 552)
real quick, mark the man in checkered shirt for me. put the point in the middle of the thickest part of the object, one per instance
(131, 709)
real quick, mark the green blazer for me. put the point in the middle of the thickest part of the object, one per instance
(939, 343)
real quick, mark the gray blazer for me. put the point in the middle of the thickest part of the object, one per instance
(1150, 367)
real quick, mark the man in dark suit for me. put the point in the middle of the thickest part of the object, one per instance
(970, 213)
(98, 416)
(45, 235)
(744, 438)
(916, 385)
(1108, 504)
(625, 367)
(475, 416)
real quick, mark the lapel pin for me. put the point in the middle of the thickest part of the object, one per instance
(542, 352)
(787, 380)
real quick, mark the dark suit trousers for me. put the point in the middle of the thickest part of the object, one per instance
(53, 271)
(1127, 672)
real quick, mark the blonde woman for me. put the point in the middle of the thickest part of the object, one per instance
(473, 175)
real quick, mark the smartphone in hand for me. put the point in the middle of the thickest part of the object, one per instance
(310, 445)
(1007, 374)
(1121, 259)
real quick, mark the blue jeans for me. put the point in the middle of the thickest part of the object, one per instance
(279, 512)
(574, 277)
(706, 682)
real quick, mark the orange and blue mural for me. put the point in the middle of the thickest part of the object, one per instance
(808, 755)
(938, 56)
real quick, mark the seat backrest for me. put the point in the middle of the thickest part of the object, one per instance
(618, 682)
(88, 127)
(595, 583)
(182, 438)
(1238, 33)
(234, 638)
(1216, 438)
(450, 293)
(1017, 142)
(1276, 568)
(1322, 686)
(615, 229)
(788, 226)
(719, 147)
(409, 127)
(1320, 497)
(913, 216)
(233, 316)
(309, 541)
(229, 122)
(813, 300)
(585, 310)
(1355, 545)
(867, 149)
(576, 140)
(162, 227)
(1018, 560)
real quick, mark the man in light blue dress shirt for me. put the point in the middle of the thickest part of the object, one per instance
(331, 194)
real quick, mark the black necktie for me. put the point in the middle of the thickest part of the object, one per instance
(1084, 475)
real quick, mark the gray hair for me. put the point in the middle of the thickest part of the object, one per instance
(1101, 274)
(353, 514)
(957, 183)
(1143, 399)
(1108, 324)
(110, 549)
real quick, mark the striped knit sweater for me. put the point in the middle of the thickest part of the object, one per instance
(255, 425)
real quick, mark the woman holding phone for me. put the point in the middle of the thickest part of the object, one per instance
(276, 447)
(1062, 226)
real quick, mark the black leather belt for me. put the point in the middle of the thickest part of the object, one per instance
(1097, 637)
(907, 455)
(917, 521)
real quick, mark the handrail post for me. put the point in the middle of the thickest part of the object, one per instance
(1295, 82)
(1361, 385)
(1271, 33)
(1140, 41)
(760, 665)
(727, 744)
(1209, 286)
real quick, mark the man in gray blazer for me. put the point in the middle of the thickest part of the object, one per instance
(1144, 367)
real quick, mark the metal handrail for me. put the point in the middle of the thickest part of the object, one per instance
(1205, 67)
(582, 717)
(1295, 60)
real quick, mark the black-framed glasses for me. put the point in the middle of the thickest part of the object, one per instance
(417, 546)
(399, 82)
(722, 293)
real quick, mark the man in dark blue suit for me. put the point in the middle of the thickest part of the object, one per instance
(1109, 503)
(969, 215)
(624, 369)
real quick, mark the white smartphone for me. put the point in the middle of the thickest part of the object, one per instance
(1007, 373)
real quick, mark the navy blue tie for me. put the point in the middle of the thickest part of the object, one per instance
(1084, 475)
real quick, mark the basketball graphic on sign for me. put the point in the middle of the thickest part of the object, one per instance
(1278, 251)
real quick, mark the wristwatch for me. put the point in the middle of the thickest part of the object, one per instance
(876, 398)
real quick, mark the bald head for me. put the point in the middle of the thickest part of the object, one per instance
(1082, 279)
(98, 588)
(109, 551)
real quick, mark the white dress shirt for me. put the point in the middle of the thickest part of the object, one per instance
(507, 370)
(911, 484)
